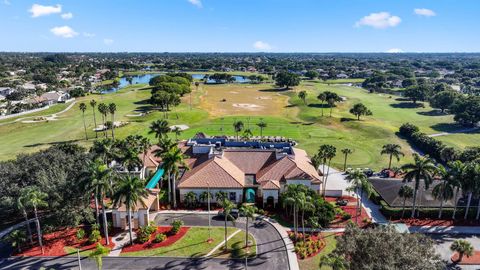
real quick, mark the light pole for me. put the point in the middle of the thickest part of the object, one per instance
(209, 220)
(78, 257)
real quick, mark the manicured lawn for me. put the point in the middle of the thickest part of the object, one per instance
(236, 247)
(192, 244)
(302, 122)
(314, 262)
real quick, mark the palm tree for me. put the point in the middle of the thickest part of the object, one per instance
(322, 97)
(247, 134)
(145, 145)
(334, 261)
(291, 197)
(177, 131)
(326, 152)
(405, 192)
(359, 184)
(36, 199)
(130, 159)
(104, 188)
(304, 203)
(249, 212)
(190, 199)
(83, 108)
(227, 206)
(422, 168)
(130, 192)
(303, 96)
(112, 108)
(98, 254)
(204, 196)
(103, 109)
(261, 125)
(463, 247)
(105, 149)
(470, 183)
(237, 126)
(394, 150)
(220, 196)
(457, 171)
(172, 160)
(444, 191)
(93, 103)
(20, 205)
(160, 128)
(346, 152)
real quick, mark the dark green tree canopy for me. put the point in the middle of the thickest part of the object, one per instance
(287, 79)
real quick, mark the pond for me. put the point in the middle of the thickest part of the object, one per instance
(145, 78)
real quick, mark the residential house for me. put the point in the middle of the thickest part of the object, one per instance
(53, 97)
(140, 213)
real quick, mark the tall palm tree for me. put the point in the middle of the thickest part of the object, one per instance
(423, 168)
(130, 159)
(262, 125)
(457, 171)
(237, 126)
(227, 206)
(112, 108)
(249, 212)
(93, 103)
(359, 184)
(291, 198)
(322, 97)
(304, 204)
(83, 108)
(462, 247)
(393, 150)
(105, 149)
(326, 152)
(405, 192)
(103, 182)
(247, 134)
(470, 183)
(160, 128)
(130, 192)
(346, 152)
(173, 160)
(20, 205)
(103, 109)
(36, 199)
(145, 145)
(303, 96)
(444, 191)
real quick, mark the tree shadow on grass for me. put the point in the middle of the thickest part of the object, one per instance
(317, 105)
(433, 113)
(52, 143)
(407, 105)
(274, 90)
(347, 119)
(454, 128)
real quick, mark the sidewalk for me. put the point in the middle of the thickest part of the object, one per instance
(292, 257)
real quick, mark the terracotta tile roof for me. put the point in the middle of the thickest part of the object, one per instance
(151, 161)
(152, 195)
(216, 172)
(270, 184)
(250, 161)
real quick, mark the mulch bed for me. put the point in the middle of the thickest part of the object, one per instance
(315, 237)
(55, 243)
(472, 260)
(151, 245)
(437, 222)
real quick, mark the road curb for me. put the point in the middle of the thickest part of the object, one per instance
(292, 257)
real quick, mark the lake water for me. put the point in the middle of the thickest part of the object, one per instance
(145, 78)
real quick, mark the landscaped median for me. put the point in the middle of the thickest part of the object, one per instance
(192, 242)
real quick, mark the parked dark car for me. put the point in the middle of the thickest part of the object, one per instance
(235, 213)
(341, 202)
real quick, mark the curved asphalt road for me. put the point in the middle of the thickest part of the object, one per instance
(271, 252)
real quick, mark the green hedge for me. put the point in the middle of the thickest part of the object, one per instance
(396, 212)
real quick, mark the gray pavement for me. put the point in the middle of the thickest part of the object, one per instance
(442, 246)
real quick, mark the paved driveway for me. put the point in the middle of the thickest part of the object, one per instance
(443, 242)
(271, 251)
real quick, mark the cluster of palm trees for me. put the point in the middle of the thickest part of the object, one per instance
(104, 111)
(360, 185)
(300, 199)
(455, 177)
(239, 126)
(324, 156)
(331, 98)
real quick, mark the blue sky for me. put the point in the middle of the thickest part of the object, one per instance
(240, 25)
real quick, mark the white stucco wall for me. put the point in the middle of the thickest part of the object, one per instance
(270, 192)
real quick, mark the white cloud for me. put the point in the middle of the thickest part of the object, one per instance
(64, 31)
(108, 41)
(380, 20)
(88, 35)
(395, 50)
(67, 16)
(262, 46)
(39, 10)
(197, 3)
(424, 12)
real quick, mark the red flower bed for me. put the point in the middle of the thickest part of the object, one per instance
(472, 260)
(314, 242)
(150, 244)
(55, 243)
(338, 222)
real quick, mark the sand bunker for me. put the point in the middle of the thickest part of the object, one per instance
(181, 127)
(233, 92)
(246, 106)
(263, 98)
(135, 115)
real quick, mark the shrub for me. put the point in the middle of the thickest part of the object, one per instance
(346, 216)
(159, 238)
(151, 228)
(80, 234)
(176, 225)
(408, 129)
(94, 237)
(261, 212)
